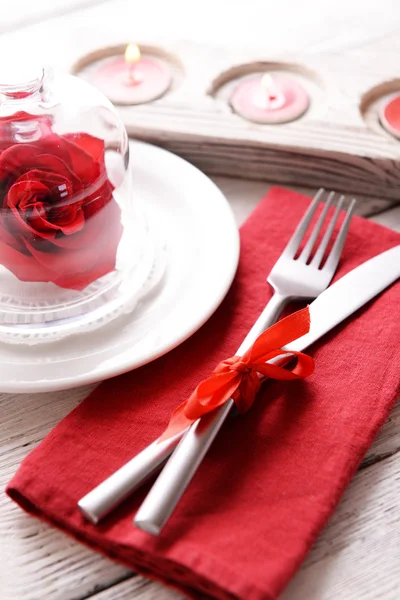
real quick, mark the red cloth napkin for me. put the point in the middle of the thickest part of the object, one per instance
(273, 476)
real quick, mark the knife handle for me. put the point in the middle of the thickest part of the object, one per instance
(100, 501)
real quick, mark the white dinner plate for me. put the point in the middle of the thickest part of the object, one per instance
(202, 249)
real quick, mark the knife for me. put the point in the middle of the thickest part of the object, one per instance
(331, 307)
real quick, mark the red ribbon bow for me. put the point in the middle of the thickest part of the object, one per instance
(238, 377)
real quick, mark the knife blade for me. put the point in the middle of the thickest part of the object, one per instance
(332, 307)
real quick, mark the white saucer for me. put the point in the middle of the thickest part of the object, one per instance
(202, 251)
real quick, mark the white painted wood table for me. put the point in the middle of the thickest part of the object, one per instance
(358, 554)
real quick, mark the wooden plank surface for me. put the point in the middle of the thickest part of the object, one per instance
(357, 555)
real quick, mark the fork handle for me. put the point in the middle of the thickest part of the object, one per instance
(179, 470)
(268, 317)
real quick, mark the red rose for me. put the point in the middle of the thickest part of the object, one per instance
(59, 221)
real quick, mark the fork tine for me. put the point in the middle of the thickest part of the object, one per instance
(334, 256)
(294, 242)
(316, 261)
(304, 256)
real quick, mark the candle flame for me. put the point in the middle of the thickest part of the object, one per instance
(268, 95)
(267, 82)
(132, 54)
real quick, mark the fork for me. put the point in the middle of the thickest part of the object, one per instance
(292, 277)
(295, 278)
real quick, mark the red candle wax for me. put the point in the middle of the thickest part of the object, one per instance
(390, 116)
(280, 100)
(132, 83)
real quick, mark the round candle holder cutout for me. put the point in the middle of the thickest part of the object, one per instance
(373, 105)
(305, 80)
(87, 66)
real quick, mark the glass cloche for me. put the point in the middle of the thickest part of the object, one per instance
(74, 251)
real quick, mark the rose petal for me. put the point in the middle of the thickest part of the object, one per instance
(83, 153)
(54, 164)
(20, 158)
(25, 193)
(95, 201)
(59, 185)
(32, 217)
(7, 236)
(91, 145)
(82, 163)
(22, 155)
(23, 266)
(76, 267)
(37, 220)
(105, 260)
(70, 220)
(95, 228)
(59, 155)
(13, 159)
(53, 144)
(43, 221)
(61, 196)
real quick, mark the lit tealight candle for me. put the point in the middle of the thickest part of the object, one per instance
(390, 116)
(270, 99)
(133, 78)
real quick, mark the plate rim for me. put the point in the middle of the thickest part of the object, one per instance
(126, 365)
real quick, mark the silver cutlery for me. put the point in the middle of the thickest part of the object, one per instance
(292, 278)
(332, 307)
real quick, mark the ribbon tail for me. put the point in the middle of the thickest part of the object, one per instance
(177, 423)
